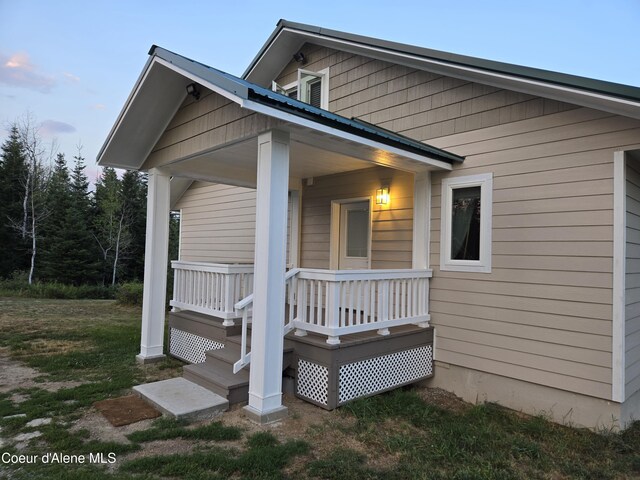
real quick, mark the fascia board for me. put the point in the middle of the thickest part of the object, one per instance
(303, 122)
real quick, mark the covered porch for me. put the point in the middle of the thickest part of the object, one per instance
(236, 133)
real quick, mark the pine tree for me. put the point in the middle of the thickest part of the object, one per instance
(134, 193)
(80, 264)
(13, 172)
(53, 247)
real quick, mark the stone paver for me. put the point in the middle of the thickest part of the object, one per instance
(181, 398)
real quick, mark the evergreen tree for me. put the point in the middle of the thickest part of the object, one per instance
(53, 247)
(134, 193)
(80, 263)
(13, 173)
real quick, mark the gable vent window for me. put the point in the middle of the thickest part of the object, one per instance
(311, 88)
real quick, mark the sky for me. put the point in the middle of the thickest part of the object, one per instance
(71, 65)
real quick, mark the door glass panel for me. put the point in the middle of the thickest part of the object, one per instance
(465, 224)
(357, 233)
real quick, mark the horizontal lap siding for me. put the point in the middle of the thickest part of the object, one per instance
(632, 280)
(392, 225)
(544, 313)
(418, 104)
(217, 223)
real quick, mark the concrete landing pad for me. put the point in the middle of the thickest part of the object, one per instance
(182, 399)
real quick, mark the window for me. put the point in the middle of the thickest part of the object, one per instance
(465, 239)
(311, 88)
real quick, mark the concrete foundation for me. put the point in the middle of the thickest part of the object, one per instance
(563, 407)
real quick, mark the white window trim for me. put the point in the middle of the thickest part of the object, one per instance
(485, 182)
(323, 74)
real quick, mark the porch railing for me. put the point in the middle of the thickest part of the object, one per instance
(211, 288)
(340, 302)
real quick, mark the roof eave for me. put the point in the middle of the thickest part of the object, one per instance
(609, 96)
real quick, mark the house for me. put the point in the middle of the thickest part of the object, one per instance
(399, 214)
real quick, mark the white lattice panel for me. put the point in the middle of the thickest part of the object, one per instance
(190, 347)
(313, 381)
(381, 373)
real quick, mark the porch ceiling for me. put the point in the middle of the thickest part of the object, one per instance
(312, 154)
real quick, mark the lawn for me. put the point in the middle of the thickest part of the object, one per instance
(58, 357)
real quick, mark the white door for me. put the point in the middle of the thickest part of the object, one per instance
(355, 229)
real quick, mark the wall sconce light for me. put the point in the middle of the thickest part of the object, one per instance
(192, 89)
(300, 58)
(382, 196)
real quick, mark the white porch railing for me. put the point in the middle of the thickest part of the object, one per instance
(244, 307)
(211, 288)
(339, 302)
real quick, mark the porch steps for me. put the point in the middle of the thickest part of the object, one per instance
(216, 373)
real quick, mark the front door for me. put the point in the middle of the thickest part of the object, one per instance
(355, 227)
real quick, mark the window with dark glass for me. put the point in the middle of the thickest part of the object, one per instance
(465, 223)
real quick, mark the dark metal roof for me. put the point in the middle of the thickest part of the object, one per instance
(561, 79)
(250, 91)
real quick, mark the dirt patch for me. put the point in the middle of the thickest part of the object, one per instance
(15, 374)
(42, 346)
(126, 410)
(443, 399)
(100, 429)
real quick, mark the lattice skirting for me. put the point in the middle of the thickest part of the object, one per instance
(377, 374)
(189, 347)
(313, 382)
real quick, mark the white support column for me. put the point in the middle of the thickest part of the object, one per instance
(265, 381)
(421, 216)
(155, 267)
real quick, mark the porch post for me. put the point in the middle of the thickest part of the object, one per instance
(421, 216)
(155, 267)
(265, 380)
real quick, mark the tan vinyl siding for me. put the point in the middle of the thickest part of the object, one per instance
(217, 223)
(418, 104)
(632, 279)
(544, 313)
(392, 225)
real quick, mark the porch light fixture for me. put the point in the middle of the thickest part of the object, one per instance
(192, 89)
(382, 196)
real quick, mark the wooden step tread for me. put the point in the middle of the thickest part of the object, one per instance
(224, 379)
(229, 354)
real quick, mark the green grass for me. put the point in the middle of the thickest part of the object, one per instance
(395, 436)
(55, 290)
(165, 429)
(263, 457)
(487, 442)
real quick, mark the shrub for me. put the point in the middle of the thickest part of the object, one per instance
(17, 286)
(129, 294)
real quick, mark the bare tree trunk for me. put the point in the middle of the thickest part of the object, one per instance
(33, 241)
(117, 250)
(25, 208)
